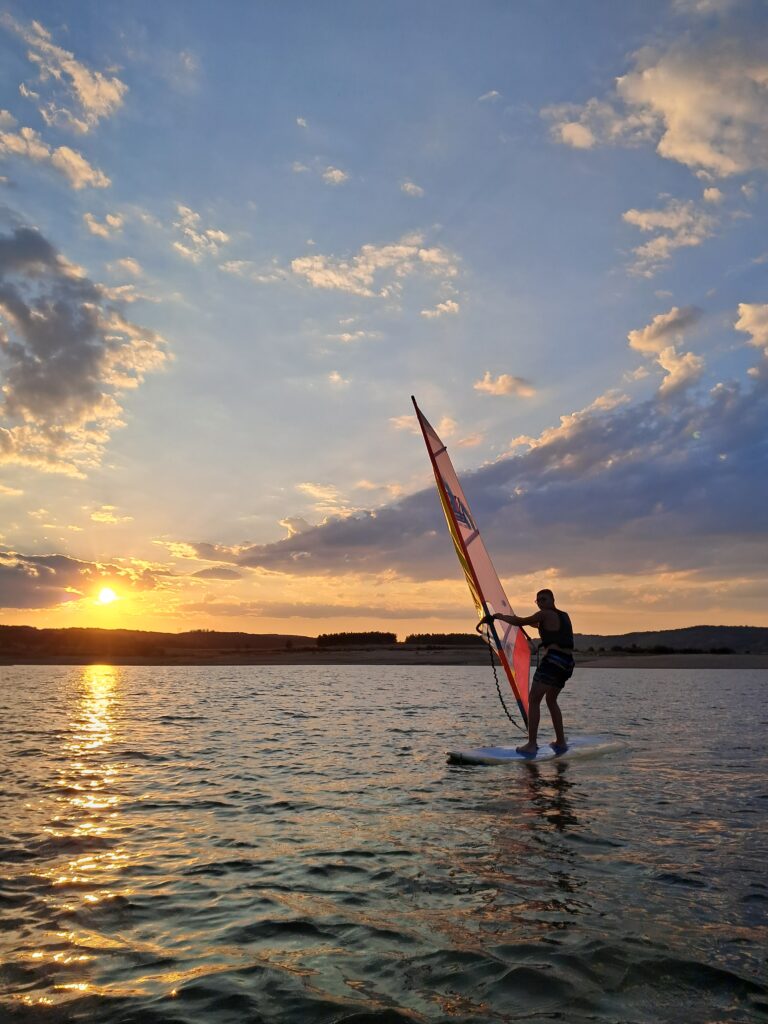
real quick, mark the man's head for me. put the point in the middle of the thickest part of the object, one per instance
(545, 599)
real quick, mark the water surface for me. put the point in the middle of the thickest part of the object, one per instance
(288, 845)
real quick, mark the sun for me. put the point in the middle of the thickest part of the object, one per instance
(107, 595)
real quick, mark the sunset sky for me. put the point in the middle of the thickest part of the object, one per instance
(235, 238)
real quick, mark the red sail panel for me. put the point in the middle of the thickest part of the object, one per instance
(509, 642)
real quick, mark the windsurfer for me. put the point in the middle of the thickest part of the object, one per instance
(555, 667)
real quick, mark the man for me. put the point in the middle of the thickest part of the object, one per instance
(555, 667)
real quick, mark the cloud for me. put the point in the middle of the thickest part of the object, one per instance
(412, 189)
(489, 97)
(27, 145)
(110, 515)
(575, 134)
(713, 195)
(335, 378)
(360, 274)
(178, 69)
(678, 225)
(326, 500)
(295, 524)
(189, 61)
(596, 123)
(704, 105)
(660, 339)
(324, 492)
(445, 428)
(238, 268)
(394, 490)
(81, 96)
(682, 370)
(123, 293)
(111, 225)
(178, 549)
(704, 8)
(505, 384)
(663, 329)
(640, 373)
(348, 337)
(753, 320)
(609, 400)
(449, 307)
(66, 357)
(127, 265)
(334, 176)
(48, 581)
(196, 242)
(266, 274)
(471, 441)
(407, 422)
(301, 122)
(219, 572)
(439, 259)
(7, 120)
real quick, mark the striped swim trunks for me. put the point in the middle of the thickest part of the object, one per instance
(556, 669)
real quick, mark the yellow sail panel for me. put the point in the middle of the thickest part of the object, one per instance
(455, 537)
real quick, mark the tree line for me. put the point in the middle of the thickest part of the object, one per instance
(370, 638)
(445, 639)
(378, 638)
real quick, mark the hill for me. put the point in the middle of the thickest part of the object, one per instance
(28, 641)
(736, 639)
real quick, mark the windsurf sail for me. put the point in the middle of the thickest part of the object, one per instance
(509, 642)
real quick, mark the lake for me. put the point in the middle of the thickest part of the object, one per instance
(285, 844)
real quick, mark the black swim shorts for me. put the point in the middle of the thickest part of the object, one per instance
(555, 669)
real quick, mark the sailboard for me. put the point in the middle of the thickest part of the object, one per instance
(578, 747)
(509, 643)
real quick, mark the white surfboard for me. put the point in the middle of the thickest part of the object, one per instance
(578, 746)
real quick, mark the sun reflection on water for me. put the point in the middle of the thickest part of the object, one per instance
(97, 686)
(86, 781)
(86, 825)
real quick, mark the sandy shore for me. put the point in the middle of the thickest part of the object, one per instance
(677, 661)
(398, 656)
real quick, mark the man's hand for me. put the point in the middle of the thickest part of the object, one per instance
(486, 620)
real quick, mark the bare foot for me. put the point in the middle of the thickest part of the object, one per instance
(527, 748)
(559, 748)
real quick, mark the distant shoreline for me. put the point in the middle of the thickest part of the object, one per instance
(707, 661)
(379, 656)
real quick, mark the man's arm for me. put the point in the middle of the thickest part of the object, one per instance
(517, 620)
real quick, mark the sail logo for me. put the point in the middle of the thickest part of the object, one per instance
(460, 510)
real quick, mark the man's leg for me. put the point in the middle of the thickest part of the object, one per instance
(535, 697)
(552, 694)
